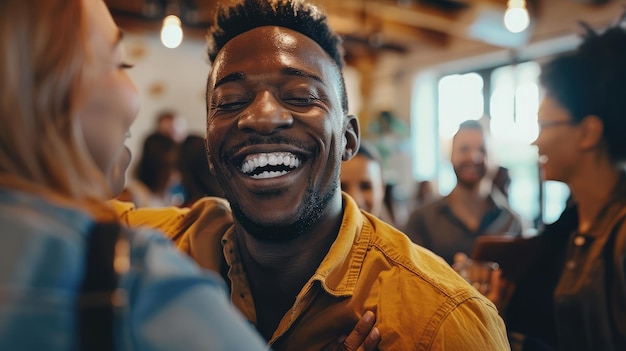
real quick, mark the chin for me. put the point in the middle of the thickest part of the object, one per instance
(118, 186)
(468, 183)
(286, 229)
(275, 233)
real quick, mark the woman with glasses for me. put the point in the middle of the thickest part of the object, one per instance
(573, 296)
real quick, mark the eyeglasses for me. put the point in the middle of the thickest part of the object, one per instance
(547, 124)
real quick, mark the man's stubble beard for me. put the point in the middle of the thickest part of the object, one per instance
(310, 212)
(473, 184)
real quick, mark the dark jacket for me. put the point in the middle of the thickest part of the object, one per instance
(531, 310)
(573, 296)
(590, 298)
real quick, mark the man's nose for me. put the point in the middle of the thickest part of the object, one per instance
(265, 115)
(477, 156)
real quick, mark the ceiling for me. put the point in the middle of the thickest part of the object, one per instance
(372, 27)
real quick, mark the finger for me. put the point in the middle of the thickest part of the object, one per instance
(361, 331)
(372, 340)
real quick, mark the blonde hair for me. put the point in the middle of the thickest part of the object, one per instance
(44, 51)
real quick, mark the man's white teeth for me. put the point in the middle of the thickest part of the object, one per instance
(270, 174)
(255, 161)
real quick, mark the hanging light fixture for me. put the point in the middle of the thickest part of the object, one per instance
(516, 17)
(172, 30)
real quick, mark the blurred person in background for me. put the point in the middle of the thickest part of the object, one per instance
(172, 125)
(362, 178)
(425, 193)
(502, 180)
(197, 179)
(156, 175)
(449, 225)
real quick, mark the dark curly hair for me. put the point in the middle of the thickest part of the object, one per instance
(297, 15)
(158, 159)
(592, 81)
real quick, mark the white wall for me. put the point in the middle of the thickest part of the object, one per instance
(166, 79)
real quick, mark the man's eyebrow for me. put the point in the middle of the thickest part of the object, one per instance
(235, 76)
(290, 71)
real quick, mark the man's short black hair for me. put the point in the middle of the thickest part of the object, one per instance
(470, 124)
(592, 81)
(297, 15)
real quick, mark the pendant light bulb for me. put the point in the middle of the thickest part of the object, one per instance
(171, 32)
(516, 18)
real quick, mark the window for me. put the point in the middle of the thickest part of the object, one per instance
(513, 103)
(506, 99)
(460, 99)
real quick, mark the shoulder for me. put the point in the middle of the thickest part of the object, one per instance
(412, 261)
(200, 233)
(166, 219)
(442, 303)
(165, 285)
(431, 207)
(24, 215)
(473, 325)
(155, 262)
(175, 221)
(152, 254)
(424, 219)
(426, 213)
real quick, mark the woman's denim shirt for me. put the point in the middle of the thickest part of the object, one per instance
(172, 305)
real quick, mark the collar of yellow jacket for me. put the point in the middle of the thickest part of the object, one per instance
(339, 270)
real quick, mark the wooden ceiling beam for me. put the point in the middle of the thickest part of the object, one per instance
(397, 31)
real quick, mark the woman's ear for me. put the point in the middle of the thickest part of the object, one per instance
(593, 130)
(352, 137)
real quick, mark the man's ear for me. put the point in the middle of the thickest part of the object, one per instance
(352, 136)
(592, 132)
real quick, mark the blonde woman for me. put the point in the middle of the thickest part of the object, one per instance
(65, 107)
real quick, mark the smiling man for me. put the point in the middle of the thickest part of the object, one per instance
(304, 264)
(452, 223)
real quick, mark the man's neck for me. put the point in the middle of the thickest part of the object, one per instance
(469, 204)
(295, 257)
(468, 193)
(285, 263)
(277, 271)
